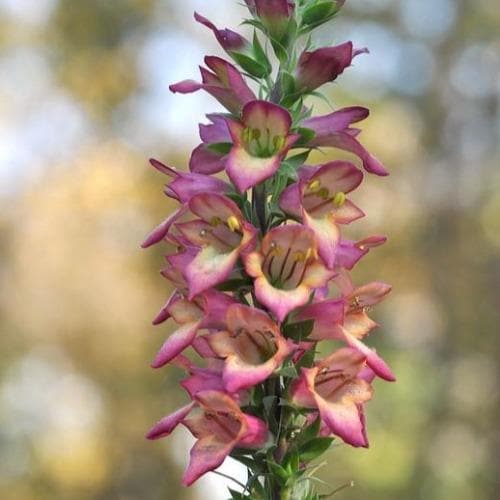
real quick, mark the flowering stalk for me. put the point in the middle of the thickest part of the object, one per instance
(261, 270)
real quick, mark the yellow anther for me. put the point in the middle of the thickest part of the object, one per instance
(233, 223)
(314, 186)
(215, 221)
(339, 199)
(299, 256)
(311, 253)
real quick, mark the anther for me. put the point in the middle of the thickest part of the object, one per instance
(339, 199)
(233, 223)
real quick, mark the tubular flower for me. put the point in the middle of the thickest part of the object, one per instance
(334, 130)
(221, 233)
(259, 261)
(274, 14)
(219, 425)
(319, 199)
(286, 269)
(223, 81)
(252, 346)
(205, 312)
(335, 389)
(324, 65)
(261, 140)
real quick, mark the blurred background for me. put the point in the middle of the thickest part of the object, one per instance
(84, 103)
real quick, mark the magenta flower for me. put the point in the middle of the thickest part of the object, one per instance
(222, 81)
(261, 140)
(334, 388)
(222, 234)
(286, 269)
(324, 65)
(219, 425)
(274, 14)
(334, 130)
(252, 347)
(319, 201)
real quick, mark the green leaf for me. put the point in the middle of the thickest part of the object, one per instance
(236, 495)
(297, 160)
(288, 372)
(287, 83)
(319, 13)
(260, 54)
(306, 135)
(307, 360)
(314, 448)
(310, 432)
(279, 472)
(299, 331)
(232, 285)
(220, 147)
(269, 402)
(251, 66)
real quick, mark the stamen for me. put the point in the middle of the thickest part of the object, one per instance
(278, 142)
(339, 199)
(233, 223)
(314, 186)
(215, 221)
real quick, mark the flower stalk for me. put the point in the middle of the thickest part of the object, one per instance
(261, 267)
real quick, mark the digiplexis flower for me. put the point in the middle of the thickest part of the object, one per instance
(252, 346)
(274, 14)
(261, 140)
(319, 200)
(286, 269)
(222, 235)
(207, 311)
(219, 425)
(223, 81)
(334, 388)
(324, 65)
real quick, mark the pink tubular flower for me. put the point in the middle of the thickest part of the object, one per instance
(206, 312)
(219, 425)
(336, 390)
(252, 346)
(222, 235)
(261, 141)
(223, 81)
(324, 65)
(181, 188)
(287, 269)
(319, 199)
(334, 130)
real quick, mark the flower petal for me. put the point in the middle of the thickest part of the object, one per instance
(167, 424)
(206, 455)
(176, 343)
(245, 170)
